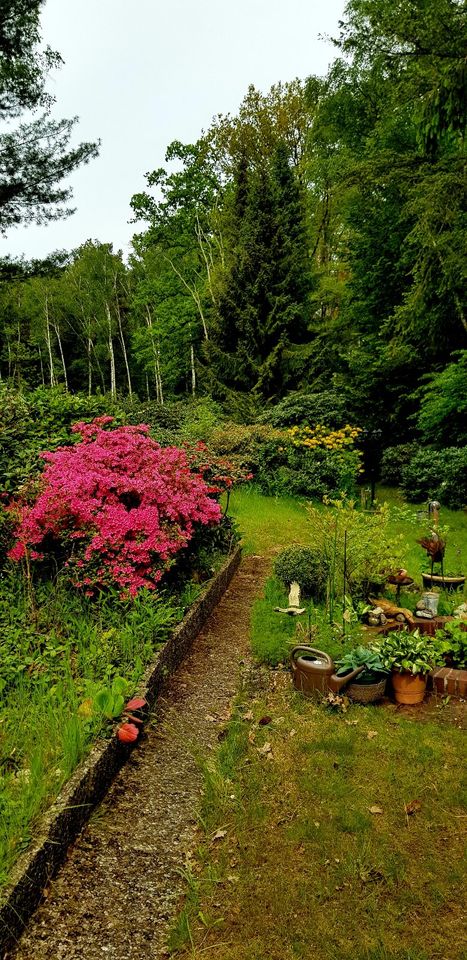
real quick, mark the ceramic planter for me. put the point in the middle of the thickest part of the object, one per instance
(408, 687)
(444, 583)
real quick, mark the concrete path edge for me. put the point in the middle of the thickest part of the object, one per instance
(93, 776)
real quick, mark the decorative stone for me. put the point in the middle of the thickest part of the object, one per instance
(426, 614)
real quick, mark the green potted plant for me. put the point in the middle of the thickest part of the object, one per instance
(452, 641)
(370, 684)
(409, 657)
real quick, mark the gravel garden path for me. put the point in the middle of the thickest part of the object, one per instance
(118, 891)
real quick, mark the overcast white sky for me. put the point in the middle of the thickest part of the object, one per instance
(141, 73)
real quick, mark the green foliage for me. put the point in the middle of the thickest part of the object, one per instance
(327, 407)
(442, 418)
(272, 634)
(452, 644)
(393, 462)
(412, 652)
(362, 657)
(39, 420)
(302, 565)
(284, 468)
(110, 700)
(35, 157)
(437, 474)
(362, 543)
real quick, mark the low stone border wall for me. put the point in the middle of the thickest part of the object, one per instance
(93, 776)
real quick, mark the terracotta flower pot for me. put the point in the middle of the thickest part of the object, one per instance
(409, 687)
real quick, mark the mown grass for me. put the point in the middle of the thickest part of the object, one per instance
(267, 524)
(293, 863)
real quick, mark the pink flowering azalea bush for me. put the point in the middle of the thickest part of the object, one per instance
(119, 505)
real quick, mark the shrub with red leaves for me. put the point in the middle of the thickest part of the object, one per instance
(121, 505)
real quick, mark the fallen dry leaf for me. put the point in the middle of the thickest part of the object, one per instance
(371, 734)
(219, 835)
(263, 722)
(249, 715)
(413, 807)
(375, 809)
(265, 749)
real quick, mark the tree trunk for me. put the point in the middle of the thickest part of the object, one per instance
(48, 341)
(113, 378)
(155, 350)
(122, 341)
(59, 341)
(193, 371)
(89, 351)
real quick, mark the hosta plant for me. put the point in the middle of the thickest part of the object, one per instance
(409, 652)
(362, 657)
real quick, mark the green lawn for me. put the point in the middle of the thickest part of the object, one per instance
(327, 836)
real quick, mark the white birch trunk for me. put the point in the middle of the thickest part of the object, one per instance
(89, 351)
(122, 341)
(113, 378)
(48, 341)
(193, 371)
(155, 351)
(59, 341)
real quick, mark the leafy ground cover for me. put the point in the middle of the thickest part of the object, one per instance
(326, 835)
(66, 667)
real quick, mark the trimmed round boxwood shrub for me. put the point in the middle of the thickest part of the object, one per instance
(303, 565)
(437, 474)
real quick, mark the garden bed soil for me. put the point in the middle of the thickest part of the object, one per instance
(120, 885)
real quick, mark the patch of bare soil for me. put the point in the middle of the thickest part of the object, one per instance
(119, 888)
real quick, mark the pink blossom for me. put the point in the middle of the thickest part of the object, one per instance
(125, 505)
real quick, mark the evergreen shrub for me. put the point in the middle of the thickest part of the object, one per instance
(437, 474)
(328, 407)
(393, 462)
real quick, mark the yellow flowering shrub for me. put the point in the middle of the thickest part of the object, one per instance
(320, 436)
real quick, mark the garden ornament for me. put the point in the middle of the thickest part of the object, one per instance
(294, 608)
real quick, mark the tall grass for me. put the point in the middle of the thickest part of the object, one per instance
(53, 660)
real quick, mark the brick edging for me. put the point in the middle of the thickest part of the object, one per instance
(450, 681)
(93, 776)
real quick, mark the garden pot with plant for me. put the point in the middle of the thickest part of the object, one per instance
(370, 684)
(409, 657)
